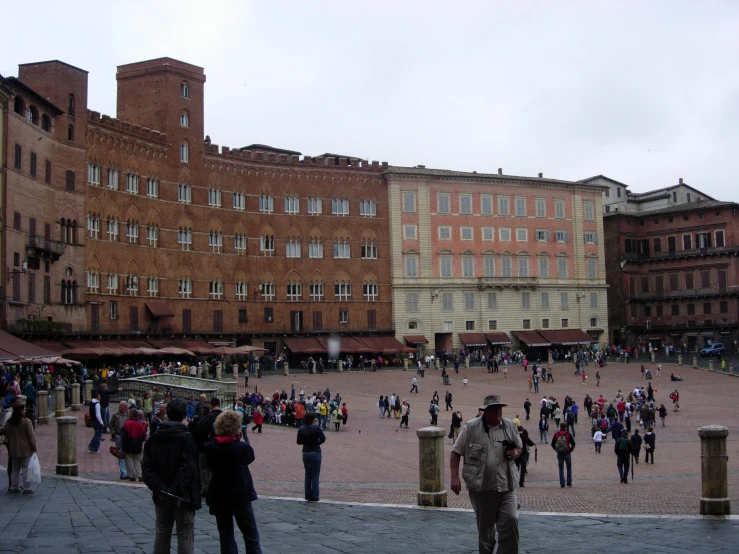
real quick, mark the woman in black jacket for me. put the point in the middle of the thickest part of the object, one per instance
(311, 437)
(231, 489)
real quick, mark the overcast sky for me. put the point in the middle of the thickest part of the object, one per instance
(643, 92)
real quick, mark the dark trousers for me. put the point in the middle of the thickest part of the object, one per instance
(522, 473)
(647, 453)
(312, 464)
(528, 413)
(434, 419)
(597, 447)
(562, 459)
(257, 428)
(244, 516)
(622, 461)
(449, 405)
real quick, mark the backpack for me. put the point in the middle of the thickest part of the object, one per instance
(560, 444)
(431, 410)
(623, 446)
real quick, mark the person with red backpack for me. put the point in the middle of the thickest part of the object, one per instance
(563, 444)
(675, 397)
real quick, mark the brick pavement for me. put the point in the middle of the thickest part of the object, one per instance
(374, 461)
(67, 516)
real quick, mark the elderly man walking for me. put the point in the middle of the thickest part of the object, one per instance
(490, 445)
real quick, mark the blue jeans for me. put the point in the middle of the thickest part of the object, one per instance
(565, 458)
(543, 435)
(312, 463)
(95, 442)
(121, 463)
(105, 414)
(247, 524)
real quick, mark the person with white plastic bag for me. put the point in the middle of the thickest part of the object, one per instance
(21, 448)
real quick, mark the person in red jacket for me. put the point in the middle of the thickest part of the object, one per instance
(258, 420)
(621, 409)
(564, 449)
(133, 435)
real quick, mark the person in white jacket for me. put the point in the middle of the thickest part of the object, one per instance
(598, 440)
(96, 419)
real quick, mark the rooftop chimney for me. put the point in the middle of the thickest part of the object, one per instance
(680, 181)
(421, 166)
(500, 171)
(541, 175)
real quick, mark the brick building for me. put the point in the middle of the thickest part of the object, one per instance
(673, 275)
(494, 260)
(181, 237)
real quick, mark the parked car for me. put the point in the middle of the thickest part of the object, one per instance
(716, 349)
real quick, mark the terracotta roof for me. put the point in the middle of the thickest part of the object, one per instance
(594, 177)
(679, 208)
(14, 82)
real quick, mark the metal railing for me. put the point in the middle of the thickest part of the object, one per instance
(646, 256)
(47, 246)
(710, 291)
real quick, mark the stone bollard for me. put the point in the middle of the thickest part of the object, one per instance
(432, 488)
(710, 364)
(438, 363)
(340, 365)
(59, 402)
(219, 371)
(679, 359)
(551, 359)
(66, 446)
(695, 362)
(75, 396)
(43, 407)
(372, 365)
(651, 356)
(235, 371)
(714, 477)
(731, 369)
(405, 365)
(467, 362)
(88, 391)
(199, 371)
(286, 369)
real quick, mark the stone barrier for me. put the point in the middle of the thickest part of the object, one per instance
(286, 369)
(88, 391)
(467, 362)
(679, 359)
(66, 446)
(43, 407)
(432, 488)
(75, 396)
(219, 371)
(695, 362)
(710, 364)
(714, 477)
(60, 402)
(437, 361)
(340, 365)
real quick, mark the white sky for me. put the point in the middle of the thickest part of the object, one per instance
(643, 92)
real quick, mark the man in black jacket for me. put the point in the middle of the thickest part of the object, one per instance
(202, 431)
(636, 441)
(171, 472)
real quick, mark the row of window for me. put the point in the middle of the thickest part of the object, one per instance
(505, 234)
(669, 244)
(680, 281)
(470, 268)
(31, 114)
(129, 284)
(33, 167)
(690, 309)
(266, 202)
(471, 325)
(506, 205)
(296, 318)
(491, 298)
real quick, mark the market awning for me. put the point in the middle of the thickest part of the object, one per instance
(566, 336)
(304, 345)
(384, 345)
(51, 345)
(159, 309)
(531, 338)
(498, 337)
(473, 339)
(17, 347)
(595, 331)
(415, 339)
(657, 337)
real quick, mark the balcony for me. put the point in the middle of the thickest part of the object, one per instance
(501, 282)
(31, 326)
(678, 254)
(694, 293)
(45, 248)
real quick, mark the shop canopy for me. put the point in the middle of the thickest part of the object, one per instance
(473, 339)
(415, 339)
(13, 347)
(159, 309)
(566, 337)
(497, 337)
(531, 338)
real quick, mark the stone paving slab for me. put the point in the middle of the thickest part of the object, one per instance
(72, 516)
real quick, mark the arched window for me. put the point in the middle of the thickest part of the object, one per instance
(32, 115)
(19, 106)
(46, 123)
(73, 234)
(184, 89)
(184, 152)
(184, 119)
(70, 133)
(70, 110)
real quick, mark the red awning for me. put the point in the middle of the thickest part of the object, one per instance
(595, 330)
(159, 309)
(304, 345)
(20, 348)
(415, 339)
(473, 339)
(531, 338)
(53, 346)
(498, 337)
(566, 336)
